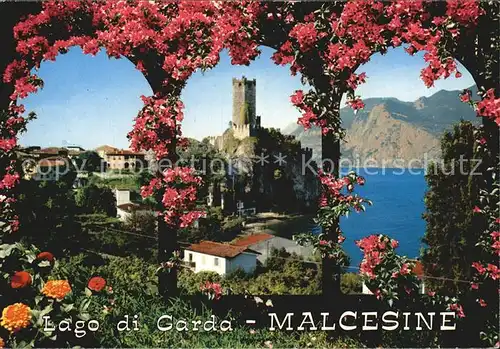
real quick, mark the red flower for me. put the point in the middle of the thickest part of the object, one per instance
(20, 279)
(323, 243)
(45, 256)
(360, 180)
(482, 302)
(474, 286)
(479, 267)
(97, 283)
(458, 308)
(297, 98)
(476, 209)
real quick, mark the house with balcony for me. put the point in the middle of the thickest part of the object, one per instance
(221, 258)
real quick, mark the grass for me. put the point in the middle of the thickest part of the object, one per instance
(128, 182)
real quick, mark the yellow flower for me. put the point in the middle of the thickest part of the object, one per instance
(57, 289)
(16, 317)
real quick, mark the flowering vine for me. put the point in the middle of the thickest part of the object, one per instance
(169, 41)
(179, 186)
(337, 200)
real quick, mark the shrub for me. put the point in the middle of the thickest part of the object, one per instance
(143, 222)
(94, 199)
(351, 283)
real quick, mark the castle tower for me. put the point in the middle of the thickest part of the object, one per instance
(244, 92)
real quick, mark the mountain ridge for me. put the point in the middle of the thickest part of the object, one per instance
(390, 130)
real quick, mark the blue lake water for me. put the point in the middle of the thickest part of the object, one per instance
(398, 205)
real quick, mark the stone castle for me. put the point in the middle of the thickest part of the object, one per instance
(255, 189)
(245, 121)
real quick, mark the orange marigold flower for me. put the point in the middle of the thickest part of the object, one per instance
(57, 289)
(20, 279)
(45, 256)
(96, 283)
(2, 343)
(16, 317)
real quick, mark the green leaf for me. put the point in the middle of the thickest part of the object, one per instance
(85, 304)
(84, 316)
(68, 307)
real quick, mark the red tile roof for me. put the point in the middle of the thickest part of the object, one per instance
(53, 161)
(124, 152)
(50, 150)
(218, 249)
(252, 239)
(106, 148)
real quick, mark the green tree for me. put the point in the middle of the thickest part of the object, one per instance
(452, 228)
(89, 161)
(47, 214)
(143, 222)
(94, 199)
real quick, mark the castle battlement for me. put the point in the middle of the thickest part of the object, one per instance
(243, 131)
(307, 152)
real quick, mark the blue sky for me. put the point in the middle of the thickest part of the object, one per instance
(90, 101)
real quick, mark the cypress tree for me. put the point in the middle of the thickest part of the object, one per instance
(452, 229)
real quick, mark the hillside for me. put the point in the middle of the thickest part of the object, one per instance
(392, 131)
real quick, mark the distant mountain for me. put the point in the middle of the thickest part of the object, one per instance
(391, 130)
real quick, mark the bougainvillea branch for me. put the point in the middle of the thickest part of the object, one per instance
(169, 41)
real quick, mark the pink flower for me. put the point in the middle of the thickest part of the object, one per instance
(476, 210)
(431, 293)
(474, 286)
(479, 267)
(9, 181)
(305, 34)
(458, 309)
(297, 98)
(7, 144)
(489, 106)
(404, 269)
(360, 180)
(481, 302)
(355, 103)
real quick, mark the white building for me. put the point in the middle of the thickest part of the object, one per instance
(125, 207)
(264, 243)
(220, 257)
